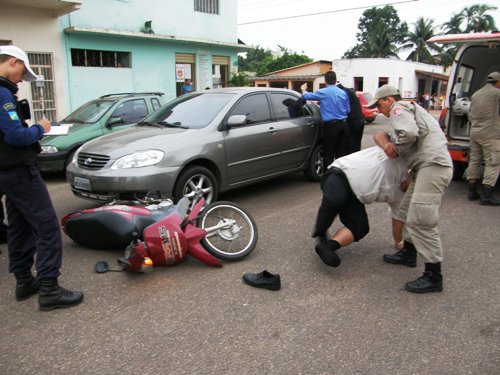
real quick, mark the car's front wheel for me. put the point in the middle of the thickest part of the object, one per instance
(194, 183)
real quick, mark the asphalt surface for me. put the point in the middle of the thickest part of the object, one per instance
(194, 319)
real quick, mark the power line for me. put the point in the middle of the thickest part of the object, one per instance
(326, 12)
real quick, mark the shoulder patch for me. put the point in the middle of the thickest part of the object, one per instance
(397, 111)
(9, 106)
(13, 115)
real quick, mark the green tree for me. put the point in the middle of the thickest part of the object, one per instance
(416, 40)
(239, 80)
(254, 60)
(260, 61)
(379, 42)
(375, 20)
(477, 20)
(286, 60)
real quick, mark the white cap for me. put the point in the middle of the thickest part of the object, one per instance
(18, 53)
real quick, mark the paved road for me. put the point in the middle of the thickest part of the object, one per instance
(193, 319)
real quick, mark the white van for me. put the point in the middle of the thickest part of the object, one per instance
(478, 56)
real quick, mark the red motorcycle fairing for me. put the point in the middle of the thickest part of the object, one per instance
(110, 227)
(168, 241)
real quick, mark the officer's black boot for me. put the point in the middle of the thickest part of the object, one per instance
(26, 285)
(406, 256)
(473, 191)
(430, 281)
(52, 296)
(487, 198)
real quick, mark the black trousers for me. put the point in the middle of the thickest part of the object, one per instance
(354, 136)
(339, 199)
(334, 137)
(33, 225)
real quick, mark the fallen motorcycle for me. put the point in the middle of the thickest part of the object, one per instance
(159, 233)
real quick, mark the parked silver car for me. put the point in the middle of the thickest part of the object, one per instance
(202, 144)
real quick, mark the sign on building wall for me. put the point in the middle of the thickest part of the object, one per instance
(182, 72)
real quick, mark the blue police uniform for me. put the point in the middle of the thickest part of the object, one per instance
(334, 107)
(33, 224)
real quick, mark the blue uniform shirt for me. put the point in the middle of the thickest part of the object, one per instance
(15, 134)
(334, 102)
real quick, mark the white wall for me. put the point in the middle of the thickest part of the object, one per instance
(169, 17)
(399, 72)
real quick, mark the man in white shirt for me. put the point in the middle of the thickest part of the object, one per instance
(351, 182)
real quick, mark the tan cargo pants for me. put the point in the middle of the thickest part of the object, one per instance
(489, 150)
(420, 208)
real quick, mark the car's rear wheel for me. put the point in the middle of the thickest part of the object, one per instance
(369, 120)
(314, 168)
(194, 183)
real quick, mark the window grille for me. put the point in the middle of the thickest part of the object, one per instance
(42, 91)
(101, 59)
(207, 6)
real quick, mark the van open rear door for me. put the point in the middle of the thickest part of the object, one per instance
(477, 56)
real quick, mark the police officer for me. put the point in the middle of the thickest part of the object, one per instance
(419, 141)
(33, 225)
(485, 140)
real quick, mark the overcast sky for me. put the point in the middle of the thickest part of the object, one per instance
(332, 29)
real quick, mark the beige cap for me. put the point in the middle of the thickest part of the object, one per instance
(383, 92)
(18, 53)
(493, 77)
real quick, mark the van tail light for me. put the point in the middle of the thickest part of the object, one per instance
(442, 119)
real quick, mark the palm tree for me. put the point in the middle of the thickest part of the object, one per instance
(417, 41)
(380, 43)
(454, 25)
(477, 20)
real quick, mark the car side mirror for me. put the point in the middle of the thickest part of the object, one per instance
(114, 121)
(237, 120)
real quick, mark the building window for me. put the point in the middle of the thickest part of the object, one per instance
(102, 59)
(383, 81)
(42, 90)
(206, 6)
(358, 83)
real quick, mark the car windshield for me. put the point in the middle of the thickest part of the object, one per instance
(192, 111)
(90, 112)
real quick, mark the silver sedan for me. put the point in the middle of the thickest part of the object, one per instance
(202, 144)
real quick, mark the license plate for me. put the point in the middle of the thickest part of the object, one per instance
(82, 183)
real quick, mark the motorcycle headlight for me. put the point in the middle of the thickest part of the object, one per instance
(49, 149)
(138, 159)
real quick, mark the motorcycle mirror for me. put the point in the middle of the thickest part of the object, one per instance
(102, 267)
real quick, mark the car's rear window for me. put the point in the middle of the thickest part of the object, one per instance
(192, 111)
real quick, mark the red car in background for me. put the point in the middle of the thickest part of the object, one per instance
(364, 99)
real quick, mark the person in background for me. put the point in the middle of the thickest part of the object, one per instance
(33, 229)
(187, 87)
(420, 142)
(485, 141)
(334, 107)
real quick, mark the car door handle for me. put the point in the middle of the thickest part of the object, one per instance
(272, 130)
(311, 123)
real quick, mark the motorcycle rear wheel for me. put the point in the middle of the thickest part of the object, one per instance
(231, 242)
